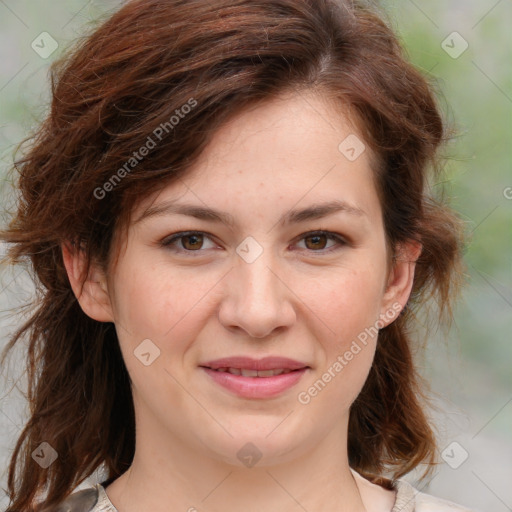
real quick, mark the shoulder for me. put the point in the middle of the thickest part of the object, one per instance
(409, 498)
(427, 503)
(79, 501)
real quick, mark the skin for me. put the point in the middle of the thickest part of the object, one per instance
(303, 298)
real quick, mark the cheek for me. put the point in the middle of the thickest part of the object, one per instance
(143, 298)
(162, 304)
(349, 300)
(136, 302)
(350, 308)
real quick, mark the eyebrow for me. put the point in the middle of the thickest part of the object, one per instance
(313, 212)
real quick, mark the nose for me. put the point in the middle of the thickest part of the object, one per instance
(258, 300)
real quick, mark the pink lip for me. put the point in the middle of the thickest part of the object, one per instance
(255, 387)
(267, 363)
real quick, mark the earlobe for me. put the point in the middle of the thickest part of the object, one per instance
(400, 281)
(91, 291)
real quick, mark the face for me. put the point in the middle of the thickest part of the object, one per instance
(287, 259)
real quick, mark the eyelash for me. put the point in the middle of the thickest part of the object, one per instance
(168, 241)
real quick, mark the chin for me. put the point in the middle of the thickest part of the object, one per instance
(258, 447)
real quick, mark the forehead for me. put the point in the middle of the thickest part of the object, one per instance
(296, 147)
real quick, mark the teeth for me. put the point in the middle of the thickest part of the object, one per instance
(249, 373)
(269, 373)
(253, 373)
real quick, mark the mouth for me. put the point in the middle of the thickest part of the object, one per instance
(245, 364)
(245, 372)
(255, 378)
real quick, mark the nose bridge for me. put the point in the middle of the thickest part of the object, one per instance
(257, 299)
(258, 282)
(253, 269)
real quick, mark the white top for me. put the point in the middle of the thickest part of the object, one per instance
(408, 499)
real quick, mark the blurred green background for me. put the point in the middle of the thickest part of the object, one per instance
(465, 49)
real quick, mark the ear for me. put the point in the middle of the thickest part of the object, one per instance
(400, 281)
(91, 293)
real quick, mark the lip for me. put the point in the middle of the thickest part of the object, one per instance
(256, 387)
(266, 363)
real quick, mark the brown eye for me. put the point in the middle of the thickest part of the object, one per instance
(188, 242)
(317, 241)
(192, 242)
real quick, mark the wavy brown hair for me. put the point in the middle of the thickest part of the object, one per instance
(109, 93)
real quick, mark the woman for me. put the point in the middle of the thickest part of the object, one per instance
(227, 211)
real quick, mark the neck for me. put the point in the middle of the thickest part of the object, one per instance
(172, 476)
